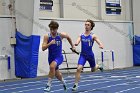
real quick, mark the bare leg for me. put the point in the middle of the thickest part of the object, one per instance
(77, 77)
(51, 72)
(50, 76)
(59, 77)
(78, 73)
(96, 68)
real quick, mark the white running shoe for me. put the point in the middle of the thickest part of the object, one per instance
(47, 88)
(65, 87)
(74, 88)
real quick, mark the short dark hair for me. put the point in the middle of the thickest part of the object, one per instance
(53, 25)
(92, 23)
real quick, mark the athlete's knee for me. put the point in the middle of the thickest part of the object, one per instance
(79, 69)
(51, 75)
(95, 68)
(52, 67)
(58, 74)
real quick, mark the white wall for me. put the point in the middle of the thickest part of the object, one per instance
(4, 7)
(72, 9)
(136, 17)
(29, 10)
(89, 9)
(111, 39)
(24, 10)
(6, 31)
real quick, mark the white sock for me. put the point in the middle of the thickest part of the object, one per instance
(49, 81)
(76, 84)
(63, 81)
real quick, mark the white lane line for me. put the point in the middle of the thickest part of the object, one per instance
(91, 76)
(84, 85)
(22, 83)
(29, 90)
(88, 85)
(118, 76)
(70, 77)
(67, 83)
(96, 76)
(137, 76)
(19, 87)
(108, 87)
(127, 90)
(40, 83)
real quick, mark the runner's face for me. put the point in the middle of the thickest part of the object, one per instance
(87, 26)
(53, 31)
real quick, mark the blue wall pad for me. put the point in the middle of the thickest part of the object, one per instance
(137, 40)
(136, 55)
(26, 55)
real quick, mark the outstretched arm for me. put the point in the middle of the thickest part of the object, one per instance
(78, 41)
(65, 35)
(98, 41)
(45, 43)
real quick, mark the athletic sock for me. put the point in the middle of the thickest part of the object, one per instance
(49, 81)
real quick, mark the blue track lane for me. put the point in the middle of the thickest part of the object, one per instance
(115, 81)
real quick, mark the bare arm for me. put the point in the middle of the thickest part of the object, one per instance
(98, 41)
(78, 41)
(45, 43)
(65, 35)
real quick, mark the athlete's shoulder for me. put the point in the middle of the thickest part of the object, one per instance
(62, 33)
(94, 36)
(46, 35)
